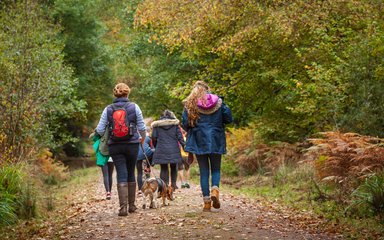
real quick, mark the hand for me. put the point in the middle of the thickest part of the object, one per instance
(91, 135)
(142, 141)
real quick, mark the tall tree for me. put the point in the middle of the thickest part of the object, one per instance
(150, 70)
(283, 64)
(82, 32)
(37, 89)
(84, 49)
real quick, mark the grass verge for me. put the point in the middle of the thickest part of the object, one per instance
(53, 200)
(294, 187)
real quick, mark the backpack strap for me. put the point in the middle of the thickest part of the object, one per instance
(131, 107)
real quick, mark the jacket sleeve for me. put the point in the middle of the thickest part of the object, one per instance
(184, 121)
(180, 137)
(103, 122)
(227, 114)
(154, 136)
(140, 121)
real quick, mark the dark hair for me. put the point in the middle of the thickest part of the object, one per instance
(168, 114)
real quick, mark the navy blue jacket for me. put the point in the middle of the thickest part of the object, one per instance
(167, 138)
(208, 136)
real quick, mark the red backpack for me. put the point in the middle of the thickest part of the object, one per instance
(121, 128)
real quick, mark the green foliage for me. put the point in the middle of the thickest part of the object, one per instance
(84, 50)
(154, 74)
(370, 194)
(82, 32)
(296, 68)
(11, 180)
(7, 211)
(365, 74)
(37, 91)
(27, 208)
(229, 168)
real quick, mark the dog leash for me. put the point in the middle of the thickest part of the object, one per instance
(147, 160)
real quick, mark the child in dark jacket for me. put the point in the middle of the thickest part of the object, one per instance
(141, 160)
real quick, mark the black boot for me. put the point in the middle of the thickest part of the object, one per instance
(132, 196)
(122, 190)
(174, 186)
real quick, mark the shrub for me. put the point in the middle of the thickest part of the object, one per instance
(229, 168)
(252, 155)
(347, 158)
(54, 171)
(370, 194)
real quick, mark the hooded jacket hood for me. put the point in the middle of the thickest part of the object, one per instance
(211, 105)
(165, 123)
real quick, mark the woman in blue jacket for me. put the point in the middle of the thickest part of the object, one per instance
(204, 119)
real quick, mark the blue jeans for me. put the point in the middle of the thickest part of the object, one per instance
(209, 163)
(124, 157)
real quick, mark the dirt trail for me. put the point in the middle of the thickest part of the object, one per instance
(92, 217)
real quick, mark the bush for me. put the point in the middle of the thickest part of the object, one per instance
(346, 159)
(18, 194)
(54, 171)
(370, 194)
(229, 168)
(248, 151)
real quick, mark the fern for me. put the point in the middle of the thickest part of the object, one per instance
(346, 157)
(371, 194)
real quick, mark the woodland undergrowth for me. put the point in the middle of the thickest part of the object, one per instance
(337, 175)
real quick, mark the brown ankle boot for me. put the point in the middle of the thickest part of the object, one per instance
(215, 197)
(122, 190)
(207, 204)
(131, 197)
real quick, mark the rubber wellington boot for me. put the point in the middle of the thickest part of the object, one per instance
(131, 197)
(122, 191)
(174, 186)
(215, 197)
(207, 204)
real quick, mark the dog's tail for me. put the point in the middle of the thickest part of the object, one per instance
(145, 184)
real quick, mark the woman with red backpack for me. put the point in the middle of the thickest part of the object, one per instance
(126, 128)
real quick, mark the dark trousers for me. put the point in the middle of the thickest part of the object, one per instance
(139, 167)
(164, 172)
(124, 157)
(107, 171)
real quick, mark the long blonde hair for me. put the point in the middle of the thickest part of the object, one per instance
(199, 91)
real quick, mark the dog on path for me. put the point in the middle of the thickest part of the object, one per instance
(154, 188)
